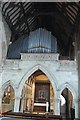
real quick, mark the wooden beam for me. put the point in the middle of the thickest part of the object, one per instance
(25, 18)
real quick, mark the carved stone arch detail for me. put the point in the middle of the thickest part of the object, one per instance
(31, 71)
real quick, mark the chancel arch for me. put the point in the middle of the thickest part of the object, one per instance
(49, 81)
(37, 94)
(51, 77)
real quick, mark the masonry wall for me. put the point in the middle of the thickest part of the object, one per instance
(62, 71)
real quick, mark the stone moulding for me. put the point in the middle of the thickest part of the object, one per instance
(39, 56)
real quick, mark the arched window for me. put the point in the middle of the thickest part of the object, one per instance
(8, 99)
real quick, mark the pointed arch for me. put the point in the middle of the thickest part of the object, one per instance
(70, 87)
(52, 78)
(6, 84)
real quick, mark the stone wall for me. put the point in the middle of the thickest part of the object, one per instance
(61, 73)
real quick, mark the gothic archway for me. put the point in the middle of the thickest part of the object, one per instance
(50, 76)
(37, 94)
(8, 99)
(67, 107)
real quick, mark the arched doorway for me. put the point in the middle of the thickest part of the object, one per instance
(37, 94)
(8, 99)
(67, 109)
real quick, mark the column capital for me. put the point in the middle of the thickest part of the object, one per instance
(17, 97)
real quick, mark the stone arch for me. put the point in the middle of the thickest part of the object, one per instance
(31, 71)
(8, 93)
(74, 94)
(6, 84)
(70, 87)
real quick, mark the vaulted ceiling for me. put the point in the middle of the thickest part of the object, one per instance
(60, 18)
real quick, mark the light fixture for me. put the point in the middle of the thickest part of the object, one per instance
(6, 93)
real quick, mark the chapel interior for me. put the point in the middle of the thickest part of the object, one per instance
(41, 28)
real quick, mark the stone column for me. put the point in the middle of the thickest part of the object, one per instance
(22, 105)
(0, 101)
(77, 40)
(79, 82)
(1, 37)
(16, 104)
(1, 94)
(3, 45)
(57, 106)
(76, 108)
(0, 104)
(5, 35)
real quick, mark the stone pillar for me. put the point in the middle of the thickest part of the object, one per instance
(3, 45)
(57, 106)
(0, 101)
(79, 82)
(5, 35)
(16, 104)
(22, 105)
(1, 92)
(76, 108)
(77, 40)
(0, 104)
(1, 37)
(78, 61)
